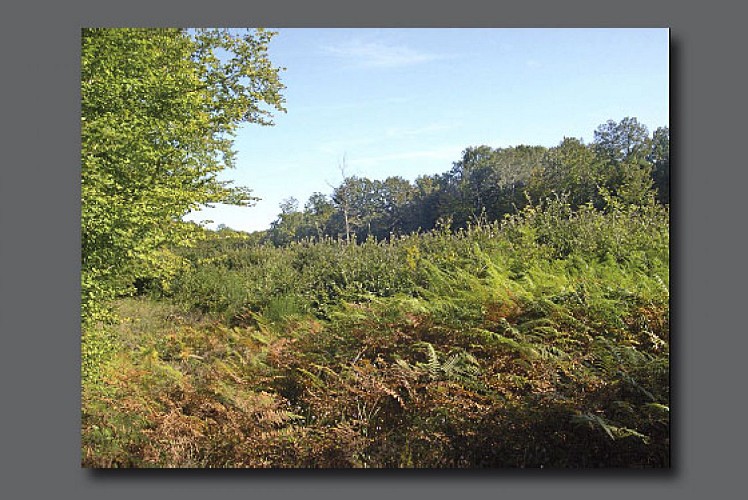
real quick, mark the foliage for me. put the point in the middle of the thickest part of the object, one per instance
(538, 341)
(571, 168)
(660, 159)
(487, 184)
(158, 110)
(510, 312)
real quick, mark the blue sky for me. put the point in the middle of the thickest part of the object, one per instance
(407, 102)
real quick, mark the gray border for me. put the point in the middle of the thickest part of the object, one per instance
(39, 250)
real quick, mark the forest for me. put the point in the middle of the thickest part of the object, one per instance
(510, 312)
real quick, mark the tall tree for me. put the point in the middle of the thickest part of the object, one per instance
(470, 178)
(625, 146)
(429, 196)
(397, 195)
(317, 210)
(622, 141)
(491, 182)
(660, 158)
(159, 108)
(288, 226)
(572, 168)
(358, 201)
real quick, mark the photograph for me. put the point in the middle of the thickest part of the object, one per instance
(387, 248)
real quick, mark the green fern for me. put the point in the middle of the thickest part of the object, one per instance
(458, 365)
(614, 432)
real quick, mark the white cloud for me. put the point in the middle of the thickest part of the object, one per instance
(380, 55)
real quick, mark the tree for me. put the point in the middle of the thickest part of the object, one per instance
(490, 182)
(159, 108)
(396, 194)
(660, 158)
(627, 140)
(470, 180)
(428, 199)
(317, 211)
(572, 168)
(358, 203)
(626, 147)
(286, 227)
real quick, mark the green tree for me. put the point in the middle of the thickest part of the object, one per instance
(491, 182)
(626, 147)
(572, 168)
(429, 197)
(660, 158)
(357, 203)
(473, 184)
(317, 211)
(627, 140)
(159, 108)
(397, 195)
(288, 225)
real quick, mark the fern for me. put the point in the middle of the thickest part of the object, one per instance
(524, 349)
(432, 366)
(614, 432)
(458, 365)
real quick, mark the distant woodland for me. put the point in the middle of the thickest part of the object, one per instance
(487, 184)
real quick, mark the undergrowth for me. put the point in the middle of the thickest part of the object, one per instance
(540, 341)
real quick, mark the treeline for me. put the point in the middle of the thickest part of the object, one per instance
(486, 183)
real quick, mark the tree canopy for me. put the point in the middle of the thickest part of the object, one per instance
(487, 184)
(159, 108)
